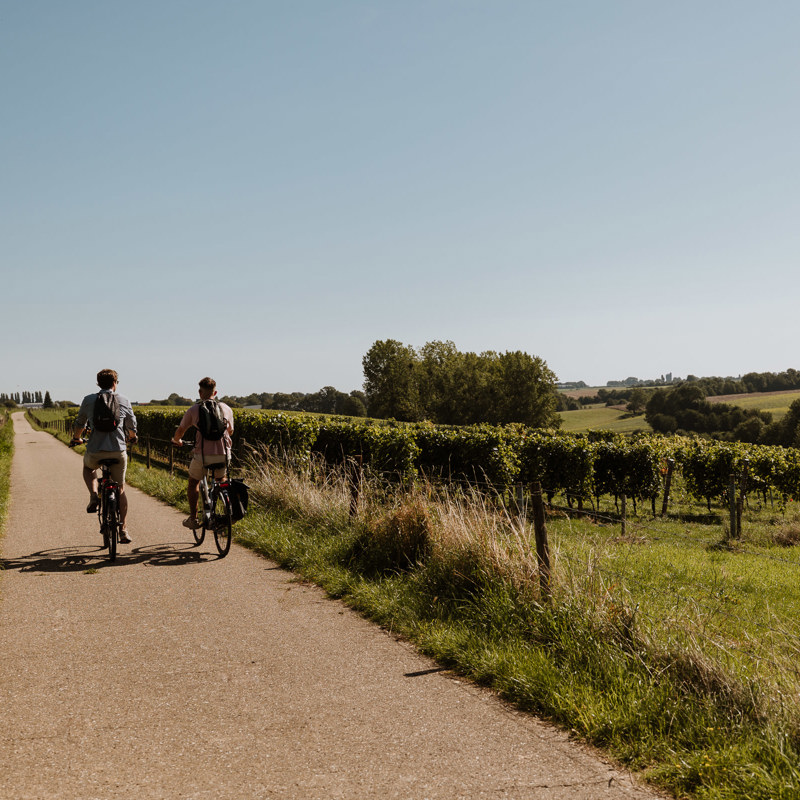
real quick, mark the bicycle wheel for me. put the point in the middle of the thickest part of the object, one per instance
(222, 521)
(101, 515)
(112, 525)
(200, 533)
(205, 513)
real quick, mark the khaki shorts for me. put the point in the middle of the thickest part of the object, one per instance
(196, 469)
(118, 470)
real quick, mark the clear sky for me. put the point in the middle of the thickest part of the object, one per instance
(259, 190)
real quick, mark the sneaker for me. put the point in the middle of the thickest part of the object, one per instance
(94, 504)
(191, 523)
(124, 538)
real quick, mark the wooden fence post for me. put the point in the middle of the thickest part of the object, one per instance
(732, 505)
(624, 515)
(542, 548)
(667, 485)
(148, 450)
(355, 474)
(171, 457)
(740, 498)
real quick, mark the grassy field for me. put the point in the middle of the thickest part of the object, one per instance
(593, 418)
(617, 420)
(777, 403)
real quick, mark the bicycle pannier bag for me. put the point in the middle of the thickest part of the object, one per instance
(211, 420)
(105, 417)
(239, 498)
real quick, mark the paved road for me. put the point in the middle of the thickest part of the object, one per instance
(174, 674)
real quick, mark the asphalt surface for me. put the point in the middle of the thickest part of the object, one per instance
(175, 674)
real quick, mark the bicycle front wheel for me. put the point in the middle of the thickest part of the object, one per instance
(223, 522)
(111, 523)
(200, 532)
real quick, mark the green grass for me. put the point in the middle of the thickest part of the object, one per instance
(593, 418)
(6, 456)
(49, 414)
(776, 404)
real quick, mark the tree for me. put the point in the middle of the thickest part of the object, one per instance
(448, 387)
(440, 381)
(637, 401)
(48, 402)
(354, 405)
(524, 389)
(391, 381)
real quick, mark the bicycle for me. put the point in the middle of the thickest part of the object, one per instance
(217, 515)
(108, 491)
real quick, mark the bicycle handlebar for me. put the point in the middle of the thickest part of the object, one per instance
(83, 440)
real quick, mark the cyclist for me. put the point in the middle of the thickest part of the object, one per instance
(108, 439)
(207, 451)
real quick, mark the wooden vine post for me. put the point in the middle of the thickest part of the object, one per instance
(740, 498)
(542, 547)
(732, 533)
(355, 473)
(667, 485)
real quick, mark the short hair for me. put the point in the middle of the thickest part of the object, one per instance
(106, 378)
(209, 384)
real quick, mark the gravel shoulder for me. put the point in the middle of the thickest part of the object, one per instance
(174, 674)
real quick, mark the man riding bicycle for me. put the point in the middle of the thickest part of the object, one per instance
(113, 424)
(209, 449)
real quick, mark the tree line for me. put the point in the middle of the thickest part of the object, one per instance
(437, 382)
(686, 410)
(327, 400)
(711, 386)
(26, 398)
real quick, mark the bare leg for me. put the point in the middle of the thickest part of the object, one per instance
(123, 506)
(192, 494)
(90, 479)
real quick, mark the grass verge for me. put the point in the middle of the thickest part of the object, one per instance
(6, 456)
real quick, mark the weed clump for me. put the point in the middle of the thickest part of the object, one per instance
(788, 534)
(395, 540)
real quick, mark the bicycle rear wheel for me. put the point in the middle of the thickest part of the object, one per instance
(223, 522)
(111, 524)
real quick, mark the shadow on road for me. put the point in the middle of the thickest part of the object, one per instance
(83, 557)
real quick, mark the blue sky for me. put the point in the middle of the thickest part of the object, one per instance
(260, 190)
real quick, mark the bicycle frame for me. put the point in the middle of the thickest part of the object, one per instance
(108, 510)
(217, 515)
(215, 502)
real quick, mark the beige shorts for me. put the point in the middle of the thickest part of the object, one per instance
(196, 469)
(118, 470)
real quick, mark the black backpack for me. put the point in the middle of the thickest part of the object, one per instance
(105, 417)
(239, 498)
(211, 421)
